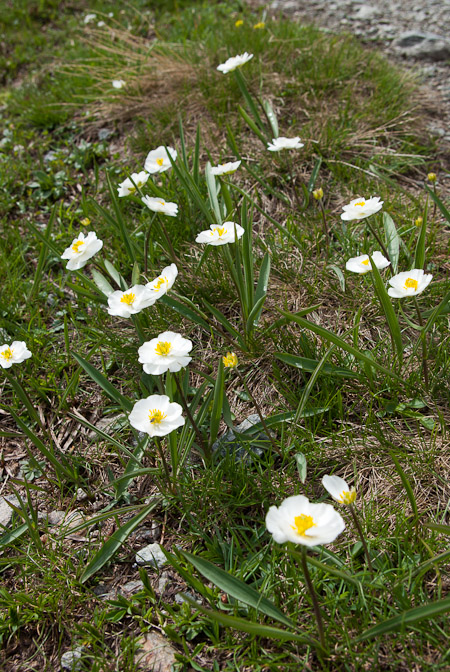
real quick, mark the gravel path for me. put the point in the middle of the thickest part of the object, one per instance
(415, 34)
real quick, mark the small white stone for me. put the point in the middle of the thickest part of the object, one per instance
(151, 555)
(6, 511)
(71, 660)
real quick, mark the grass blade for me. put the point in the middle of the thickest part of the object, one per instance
(104, 383)
(271, 118)
(212, 192)
(388, 309)
(439, 203)
(236, 588)
(310, 365)
(216, 412)
(392, 241)
(249, 121)
(419, 257)
(406, 485)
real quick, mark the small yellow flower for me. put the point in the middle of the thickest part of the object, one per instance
(239, 23)
(318, 193)
(85, 222)
(230, 361)
(259, 25)
(419, 221)
(431, 177)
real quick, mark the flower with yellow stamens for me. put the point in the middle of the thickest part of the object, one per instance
(318, 193)
(221, 234)
(339, 490)
(168, 352)
(158, 160)
(361, 264)
(128, 187)
(418, 222)
(409, 283)
(230, 360)
(156, 415)
(226, 168)
(160, 205)
(83, 247)
(234, 62)
(15, 353)
(360, 208)
(302, 522)
(161, 285)
(130, 302)
(281, 142)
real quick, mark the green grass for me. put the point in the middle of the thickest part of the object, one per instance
(378, 426)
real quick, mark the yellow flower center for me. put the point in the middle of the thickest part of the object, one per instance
(159, 282)
(7, 354)
(365, 262)
(163, 348)
(76, 246)
(303, 523)
(156, 417)
(160, 162)
(411, 283)
(128, 298)
(361, 203)
(230, 360)
(348, 497)
(162, 202)
(219, 230)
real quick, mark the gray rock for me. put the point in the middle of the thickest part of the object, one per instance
(230, 443)
(6, 511)
(104, 133)
(155, 654)
(180, 599)
(162, 583)
(81, 496)
(151, 555)
(415, 44)
(366, 12)
(71, 660)
(132, 587)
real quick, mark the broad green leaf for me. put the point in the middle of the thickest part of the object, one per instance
(329, 336)
(249, 121)
(115, 541)
(314, 174)
(212, 192)
(392, 241)
(271, 117)
(263, 279)
(310, 366)
(301, 466)
(245, 625)
(406, 618)
(11, 536)
(101, 282)
(439, 203)
(185, 311)
(104, 383)
(327, 569)
(236, 588)
(388, 309)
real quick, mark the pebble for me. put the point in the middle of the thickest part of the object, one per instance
(71, 660)
(414, 44)
(162, 583)
(6, 511)
(155, 653)
(151, 555)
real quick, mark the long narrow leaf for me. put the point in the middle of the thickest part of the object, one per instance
(419, 258)
(406, 485)
(212, 192)
(216, 412)
(104, 383)
(388, 309)
(439, 203)
(43, 254)
(236, 588)
(271, 118)
(310, 366)
(392, 241)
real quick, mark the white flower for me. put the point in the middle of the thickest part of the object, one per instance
(409, 283)
(130, 302)
(156, 415)
(300, 521)
(160, 205)
(361, 207)
(15, 353)
(82, 249)
(127, 187)
(163, 282)
(118, 83)
(361, 264)
(100, 24)
(226, 168)
(220, 234)
(90, 17)
(278, 144)
(339, 489)
(158, 160)
(234, 62)
(168, 352)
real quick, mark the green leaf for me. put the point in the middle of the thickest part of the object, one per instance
(136, 274)
(244, 625)
(329, 336)
(185, 311)
(104, 383)
(271, 117)
(310, 366)
(438, 527)
(212, 192)
(406, 485)
(255, 314)
(115, 541)
(263, 279)
(311, 382)
(9, 537)
(249, 121)
(224, 322)
(388, 309)
(407, 618)
(43, 255)
(101, 282)
(236, 588)
(438, 202)
(301, 466)
(327, 569)
(252, 105)
(115, 275)
(392, 241)
(119, 221)
(339, 273)
(216, 412)
(314, 174)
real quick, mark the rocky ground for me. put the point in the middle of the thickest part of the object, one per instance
(413, 33)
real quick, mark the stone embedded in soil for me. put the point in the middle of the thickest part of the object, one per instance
(155, 654)
(71, 660)
(131, 587)
(415, 44)
(6, 511)
(151, 555)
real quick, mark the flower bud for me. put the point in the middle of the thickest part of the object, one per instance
(431, 177)
(259, 25)
(239, 23)
(85, 222)
(318, 193)
(419, 221)
(230, 361)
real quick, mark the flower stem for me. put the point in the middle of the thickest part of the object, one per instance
(378, 239)
(361, 535)
(258, 410)
(424, 345)
(160, 452)
(169, 243)
(146, 244)
(195, 427)
(325, 226)
(312, 592)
